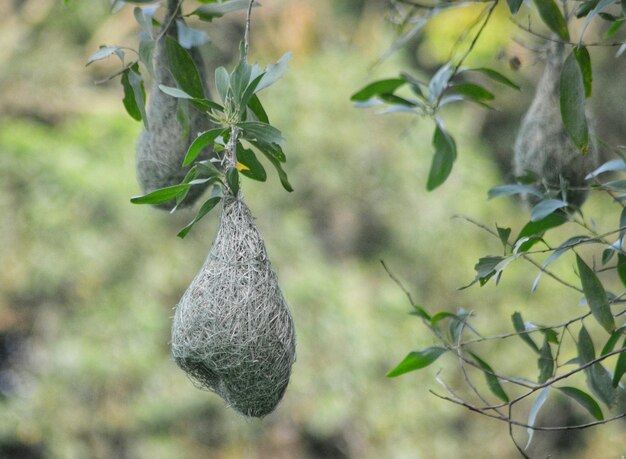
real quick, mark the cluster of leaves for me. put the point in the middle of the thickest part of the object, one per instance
(453, 331)
(243, 124)
(450, 84)
(605, 386)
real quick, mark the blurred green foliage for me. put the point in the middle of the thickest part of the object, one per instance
(89, 281)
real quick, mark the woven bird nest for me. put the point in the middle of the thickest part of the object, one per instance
(233, 332)
(543, 147)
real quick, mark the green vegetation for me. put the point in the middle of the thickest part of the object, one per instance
(89, 280)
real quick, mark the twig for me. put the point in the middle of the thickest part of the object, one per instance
(565, 42)
(170, 19)
(246, 37)
(523, 255)
(487, 13)
(521, 424)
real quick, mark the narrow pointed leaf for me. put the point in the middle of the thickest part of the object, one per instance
(552, 17)
(508, 190)
(443, 159)
(596, 296)
(545, 362)
(200, 143)
(520, 328)
(598, 378)
(584, 62)
(129, 101)
(534, 411)
(378, 87)
(585, 400)
(160, 195)
(205, 209)
(274, 72)
(184, 69)
(545, 208)
(417, 360)
(572, 102)
(620, 367)
(492, 379)
(232, 178)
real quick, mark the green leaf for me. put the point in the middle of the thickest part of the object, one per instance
(610, 33)
(621, 267)
(538, 229)
(485, 269)
(613, 165)
(250, 90)
(274, 72)
(598, 378)
(545, 208)
(585, 7)
(282, 175)
(620, 366)
(572, 101)
(439, 82)
(417, 360)
(377, 88)
(183, 69)
(585, 400)
(222, 82)
(205, 209)
(102, 53)
(508, 190)
(261, 132)
(232, 178)
(514, 5)
(129, 100)
(443, 159)
(504, 234)
(607, 255)
(473, 92)
(545, 362)
(201, 104)
(584, 62)
(520, 328)
(612, 341)
(534, 411)
(200, 143)
(571, 242)
(255, 169)
(144, 21)
(207, 168)
(496, 76)
(161, 195)
(146, 51)
(257, 108)
(217, 10)
(596, 296)
(136, 83)
(492, 379)
(239, 80)
(552, 17)
(420, 312)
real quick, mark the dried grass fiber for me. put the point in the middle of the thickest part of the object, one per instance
(233, 332)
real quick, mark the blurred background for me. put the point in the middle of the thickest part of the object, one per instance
(88, 281)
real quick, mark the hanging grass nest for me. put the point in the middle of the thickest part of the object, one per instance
(233, 332)
(162, 148)
(543, 147)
